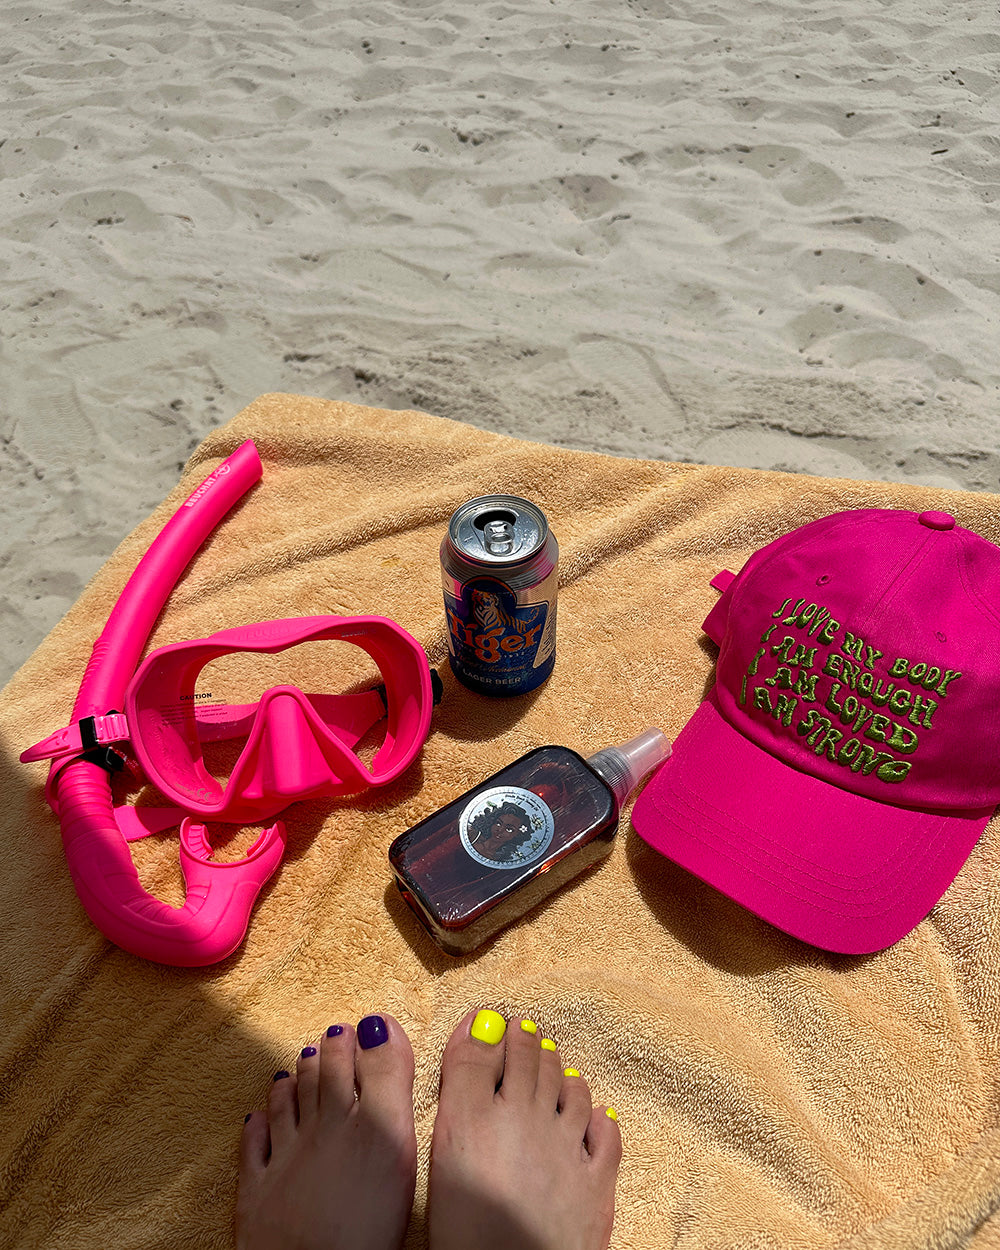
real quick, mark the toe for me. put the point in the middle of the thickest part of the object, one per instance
(383, 1070)
(521, 1059)
(604, 1139)
(575, 1105)
(255, 1145)
(336, 1079)
(472, 1065)
(307, 1083)
(282, 1111)
(550, 1074)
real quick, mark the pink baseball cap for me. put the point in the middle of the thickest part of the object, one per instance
(848, 758)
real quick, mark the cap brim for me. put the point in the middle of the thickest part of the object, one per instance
(839, 871)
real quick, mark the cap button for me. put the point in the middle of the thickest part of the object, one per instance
(937, 520)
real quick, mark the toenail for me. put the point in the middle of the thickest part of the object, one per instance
(611, 1113)
(570, 1072)
(548, 1043)
(248, 1117)
(335, 1030)
(280, 1076)
(488, 1026)
(529, 1026)
(372, 1032)
(308, 1052)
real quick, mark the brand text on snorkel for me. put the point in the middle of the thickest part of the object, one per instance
(206, 486)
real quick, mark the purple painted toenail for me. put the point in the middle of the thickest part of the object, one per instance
(335, 1030)
(308, 1052)
(248, 1117)
(372, 1032)
(279, 1076)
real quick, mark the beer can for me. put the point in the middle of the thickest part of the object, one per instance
(499, 572)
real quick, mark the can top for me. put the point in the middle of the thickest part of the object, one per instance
(498, 529)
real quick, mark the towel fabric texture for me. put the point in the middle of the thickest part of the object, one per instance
(769, 1094)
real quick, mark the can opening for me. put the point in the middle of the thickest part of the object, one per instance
(494, 514)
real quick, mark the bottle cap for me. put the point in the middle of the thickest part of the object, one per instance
(624, 767)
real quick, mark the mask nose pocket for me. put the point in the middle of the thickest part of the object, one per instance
(289, 752)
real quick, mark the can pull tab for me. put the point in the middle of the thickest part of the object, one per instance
(498, 535)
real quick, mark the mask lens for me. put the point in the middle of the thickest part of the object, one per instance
(325, 666)
(218, 716)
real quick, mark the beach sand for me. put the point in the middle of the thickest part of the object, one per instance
(761, 235)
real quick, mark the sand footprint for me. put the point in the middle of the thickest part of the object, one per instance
(906, 291)
(65, 437)
(634, 378)
(110, 208)
(797, 179)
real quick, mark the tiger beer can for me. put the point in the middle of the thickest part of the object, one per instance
(499, 571)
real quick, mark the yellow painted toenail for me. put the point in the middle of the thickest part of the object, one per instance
(570, 1072)
(548, 1043)
(611, 1113)
(529, 1026)
(489, 1026)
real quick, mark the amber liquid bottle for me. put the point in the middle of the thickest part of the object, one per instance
(504, 846)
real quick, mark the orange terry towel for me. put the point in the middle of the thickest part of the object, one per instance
(769, 1094)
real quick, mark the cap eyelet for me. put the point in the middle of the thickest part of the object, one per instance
(822, 579)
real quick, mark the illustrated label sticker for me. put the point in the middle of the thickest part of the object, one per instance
(506, 827)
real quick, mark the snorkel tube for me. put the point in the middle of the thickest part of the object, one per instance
(219, 896)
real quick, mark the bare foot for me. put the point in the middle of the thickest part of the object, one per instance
(520, 1157)
(332, 1163)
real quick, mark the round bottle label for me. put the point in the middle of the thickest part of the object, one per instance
(506, 827)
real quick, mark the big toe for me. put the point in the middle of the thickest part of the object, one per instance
(473, 1061)
(383, 1069)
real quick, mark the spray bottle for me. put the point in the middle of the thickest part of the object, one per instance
(487, 858)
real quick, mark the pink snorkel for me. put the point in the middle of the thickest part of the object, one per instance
(214, 918)
(295, 745)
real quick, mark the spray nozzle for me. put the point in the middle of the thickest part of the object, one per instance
(625, 767)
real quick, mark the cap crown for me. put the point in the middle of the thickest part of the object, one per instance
(864, 650)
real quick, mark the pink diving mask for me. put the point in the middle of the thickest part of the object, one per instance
(286, 747)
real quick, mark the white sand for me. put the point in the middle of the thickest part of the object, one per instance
(760, 234)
